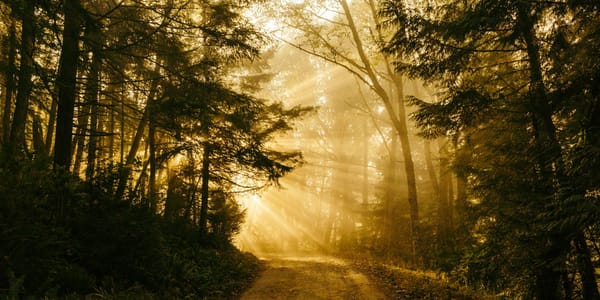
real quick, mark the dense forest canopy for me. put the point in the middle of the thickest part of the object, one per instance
(141, 140)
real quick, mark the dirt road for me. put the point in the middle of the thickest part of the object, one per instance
(311, 277)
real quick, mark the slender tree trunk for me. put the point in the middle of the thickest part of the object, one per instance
(398, 118)
(38, 137)
(122, 134)
(586, 268)
(365, 211)
(443, 214)
(66, 83)
(93, 141)
(204, 189)
(82, 131)
(390, 198)
(127, 166)
(409, 168)
(152, 162)
(10, 73)
(17, 129)
(365, 167)
(111, 124)
(51, 125)
(93, 94)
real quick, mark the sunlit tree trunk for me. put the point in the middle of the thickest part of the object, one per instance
(443, 199)
(51, 124)
(86, 112)
(111, 123)
(81, 132)
(11, 71)
(365, 166)
(365, 209)
(17, 129)
(152, 160)
(66, 83)
(122, 130)
(390, 198)
(38, 137)
(93, 95)
(398, 118)
(204, 189)
(126, 167)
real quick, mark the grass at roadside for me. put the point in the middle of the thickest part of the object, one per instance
(402, 283)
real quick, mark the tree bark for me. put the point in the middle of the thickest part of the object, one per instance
(126, 167)
(398, 118)
(204, 189)
(10, 73)
(549, 154)
(443, 214)
(17, 129)
(66, 83)
(152, 161)
(586, 268)
(92, 94)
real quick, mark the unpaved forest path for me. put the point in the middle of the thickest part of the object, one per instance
(311, 277)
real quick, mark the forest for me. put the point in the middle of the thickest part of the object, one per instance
(157, 149)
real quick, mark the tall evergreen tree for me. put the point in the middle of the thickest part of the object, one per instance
(496, 62)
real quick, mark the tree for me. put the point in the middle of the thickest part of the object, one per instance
(230, 131)
(331, 33)
(490, 60)
(17, 128)
(66, 83)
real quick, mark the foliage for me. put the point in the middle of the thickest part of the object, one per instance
(405, 283)
(505, 78)
(105, 248)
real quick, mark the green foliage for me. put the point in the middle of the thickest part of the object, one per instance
(108, 249)
(516, 96)
(413, 284)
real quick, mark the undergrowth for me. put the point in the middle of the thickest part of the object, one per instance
(58, 240)
(402, 283)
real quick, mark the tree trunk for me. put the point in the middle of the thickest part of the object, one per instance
(38, 138)
(17, 129)
(82, 131)
(204, 189)
(10, 73)
(94, 90)
(127, 166)
(409, 168)
(152, 162)
(443, 208)
(586, 268)
(399, 122)
(365, 168)
(66, 83)
(431, 170)
(390, 197)
(549, 155)
(51, 124)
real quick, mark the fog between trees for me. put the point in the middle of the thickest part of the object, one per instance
(455, 136)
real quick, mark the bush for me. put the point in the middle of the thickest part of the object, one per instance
(57, 240)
